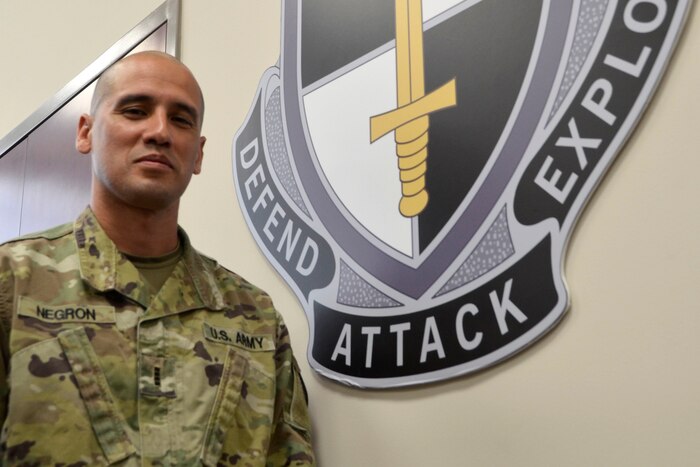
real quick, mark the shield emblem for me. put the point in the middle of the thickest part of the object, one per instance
(413, 168)
(361, 179)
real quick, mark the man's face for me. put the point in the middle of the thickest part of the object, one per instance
(145, 134)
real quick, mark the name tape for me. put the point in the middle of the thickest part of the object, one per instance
(251, 342)
(66, 313)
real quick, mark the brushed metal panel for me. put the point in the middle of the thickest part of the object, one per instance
(155, 41)
(11, 183)
(57, 181)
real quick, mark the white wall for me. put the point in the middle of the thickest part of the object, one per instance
(616, 383)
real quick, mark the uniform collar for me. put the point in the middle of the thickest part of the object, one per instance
(191, 285)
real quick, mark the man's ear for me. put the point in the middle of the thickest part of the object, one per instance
(200, 156)
(83, 138)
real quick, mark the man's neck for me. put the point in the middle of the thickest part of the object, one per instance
(137, 231)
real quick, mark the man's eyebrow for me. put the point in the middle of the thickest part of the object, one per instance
(146, 99)
(133, 99)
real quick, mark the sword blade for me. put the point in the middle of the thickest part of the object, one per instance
(410, 80)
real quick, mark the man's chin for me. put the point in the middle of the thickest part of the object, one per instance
(150, 195)
(152, 200)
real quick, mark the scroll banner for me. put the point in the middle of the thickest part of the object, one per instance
(610, 92)
(452, 334)
(302, 253)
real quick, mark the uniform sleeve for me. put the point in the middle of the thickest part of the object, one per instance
(291, 436)
(5, 316)
(4, 390)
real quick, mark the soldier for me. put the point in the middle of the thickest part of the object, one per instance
(119, 342)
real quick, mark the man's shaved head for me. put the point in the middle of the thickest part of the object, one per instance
(105, 84)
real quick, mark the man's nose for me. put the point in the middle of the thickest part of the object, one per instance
(157, 129)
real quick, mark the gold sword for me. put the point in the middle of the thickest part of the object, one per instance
(410, 119)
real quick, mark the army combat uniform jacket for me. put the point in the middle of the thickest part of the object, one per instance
(96, 371)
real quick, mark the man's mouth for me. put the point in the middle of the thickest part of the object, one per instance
(155, 160)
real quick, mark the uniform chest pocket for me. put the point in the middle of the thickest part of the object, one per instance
(60, 407)
(228, 397)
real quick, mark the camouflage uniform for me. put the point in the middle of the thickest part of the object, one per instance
(94, 371)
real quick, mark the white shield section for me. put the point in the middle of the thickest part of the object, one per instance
(364, 177)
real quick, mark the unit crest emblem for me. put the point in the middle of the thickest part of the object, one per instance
(414, 169)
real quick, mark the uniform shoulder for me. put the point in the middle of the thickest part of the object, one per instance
(49, 234)
(236, 288)
(232, 279)
(34, 239)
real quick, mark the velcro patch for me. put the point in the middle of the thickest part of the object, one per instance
(250, 342)
(68, 313)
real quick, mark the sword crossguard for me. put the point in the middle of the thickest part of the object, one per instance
(443, 97)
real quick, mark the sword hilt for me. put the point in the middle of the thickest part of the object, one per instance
(412, 153)
(411, 123)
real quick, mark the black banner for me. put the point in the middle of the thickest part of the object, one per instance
(556, 175)
(304, 254)
(447, 335)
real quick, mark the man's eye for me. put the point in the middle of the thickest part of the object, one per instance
(133, 112)
(183, 121)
